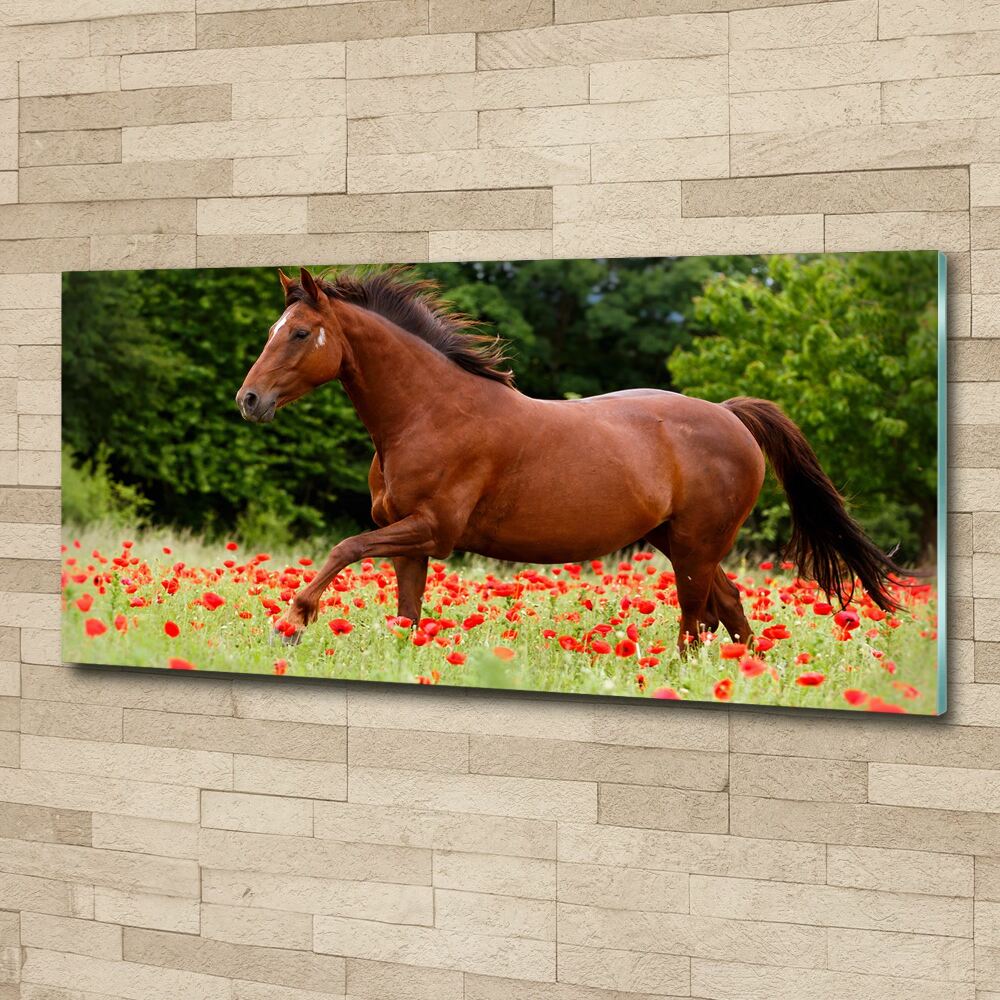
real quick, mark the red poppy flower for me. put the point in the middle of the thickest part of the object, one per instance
(776, 632)
(178, 664)
(763, 644)
(667, 694)
(455, 658)
(503, 652)
(340, 626)
(172, 629)
(803, 658)
(822, 608)
(121, 623)
(810, 679)
(94, 627)
(472, 621)
(876, 704)
(232, 546)
(750, 666)
(847, 619)
(212, 601)
(600, 646)
(853, 696)
(280, 666)
(723, 689)
(625, 648)
(733, 650)
(646, 607)
(85, 603)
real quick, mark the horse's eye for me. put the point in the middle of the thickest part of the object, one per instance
(300, 335)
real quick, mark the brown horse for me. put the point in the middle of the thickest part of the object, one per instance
(465, 461)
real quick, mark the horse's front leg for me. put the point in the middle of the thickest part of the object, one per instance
(415, 536)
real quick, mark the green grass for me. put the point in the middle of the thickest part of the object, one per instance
(508, 650)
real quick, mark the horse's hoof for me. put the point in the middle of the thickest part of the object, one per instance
(292, 638)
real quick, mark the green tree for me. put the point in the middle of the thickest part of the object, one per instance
(847, 346)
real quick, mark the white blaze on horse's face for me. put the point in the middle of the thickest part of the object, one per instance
(321, 339)
(280, 325)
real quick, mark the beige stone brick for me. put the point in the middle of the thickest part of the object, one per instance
(488, 15)
(46, 895)
(80, 937)
(844, 63)
(605, 123)
(42, 78)
(935, 787)
(339, 248)
(985, 228)
(317, 60)
(113, 109)
(664, 808)
(418, 55)
(45, 11)
(127, 980)
(624, 888)
(946, 231)
(612, 969)
(849, 823)
(286, 175)
(231, 851)
(465, 244)
(804, 110)
(485, 913)
(378, 980)
(39, 41)
(73, 791)
(413, 133)
(115, 869)
(986, 316)
(405, 904)
(140, 835)
(128, 690)
(463, 169)
(40, 823)
(408, 750)
(682, 237)
(38, 468)
(127, 760)
(788, 27)
(247, 925)
(752, 899)
(249, 216)
(877, 191)
(25, 610)
(975, 403)
(8, 187)
(985, 271)
(709, 854)
(39, 149)
(150, 910)
(975, 489)
(732, 981)
(27, 540)
(10, 755)
(321, 704)
(537, 758)
(256, 99)
(899, 18)
(302, 778)
(117, 181)
(528, 798)
(299, 23)
(972, 704)
(530, 878)
(799, 778)
(663, 159)
(296, 969)
(698, 936)
(479, 91)
(41, 645)
(30, 292)
(920, 956)
(461, 950)
(142, 251)
(659, 79)
(942, 99)
(222, 140)
(442, 831)
(608, 41)
(598, 202)
(302, 741)
(902, 871)
(142, 33)
(256, 813)
(984, 182)
(449, 210)
(37, 431)
(866, 147)
(44, 255)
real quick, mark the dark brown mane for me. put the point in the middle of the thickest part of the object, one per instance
(415, 305)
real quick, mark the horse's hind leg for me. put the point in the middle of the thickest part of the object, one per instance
(728, 605)
(411, 579)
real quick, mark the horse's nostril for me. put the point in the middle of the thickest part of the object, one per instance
(249, 400)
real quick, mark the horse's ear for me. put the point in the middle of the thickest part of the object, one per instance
(286, 282)
(309, 285)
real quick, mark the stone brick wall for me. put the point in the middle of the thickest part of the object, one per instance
(174, 838)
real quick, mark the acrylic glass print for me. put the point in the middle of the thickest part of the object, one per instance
(700, 479)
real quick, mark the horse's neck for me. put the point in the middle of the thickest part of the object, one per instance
(390, 375)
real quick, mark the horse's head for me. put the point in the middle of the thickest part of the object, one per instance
(303, 350)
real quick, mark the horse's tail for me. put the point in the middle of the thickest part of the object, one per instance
(827, 543)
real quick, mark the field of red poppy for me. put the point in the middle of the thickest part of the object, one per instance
(607, 627)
